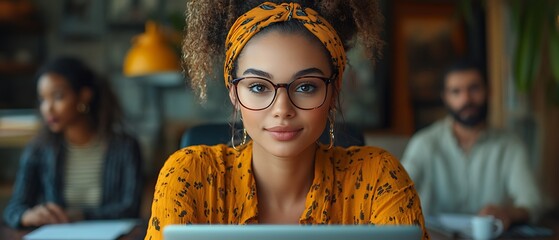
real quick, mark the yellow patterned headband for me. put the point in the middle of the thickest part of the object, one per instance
(267, 13)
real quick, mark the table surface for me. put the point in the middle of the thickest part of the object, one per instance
(548, 223)
(138, 232)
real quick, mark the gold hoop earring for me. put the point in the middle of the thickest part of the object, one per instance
(243, 142)
(233, 141)
(244, 137)
(83, 108)
(331, 119)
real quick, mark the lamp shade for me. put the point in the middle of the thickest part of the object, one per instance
(150, 54)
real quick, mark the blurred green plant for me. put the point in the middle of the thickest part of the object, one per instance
(535, 25)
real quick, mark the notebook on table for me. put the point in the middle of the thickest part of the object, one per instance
(283, 232)
(84, 230)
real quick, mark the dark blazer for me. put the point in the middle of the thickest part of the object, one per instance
(40, 180)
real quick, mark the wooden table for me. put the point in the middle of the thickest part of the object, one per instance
(7, 233)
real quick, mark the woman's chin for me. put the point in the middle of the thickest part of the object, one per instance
(55, 128)
(287, 149)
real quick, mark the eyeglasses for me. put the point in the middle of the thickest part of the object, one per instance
(257, 93)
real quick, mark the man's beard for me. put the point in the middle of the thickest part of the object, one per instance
(472, 120)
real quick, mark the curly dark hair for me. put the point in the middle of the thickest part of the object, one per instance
(208, 22)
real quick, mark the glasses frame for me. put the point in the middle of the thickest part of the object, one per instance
(327, 81)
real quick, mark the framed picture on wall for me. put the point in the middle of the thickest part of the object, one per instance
(427, 37)
(82, 18)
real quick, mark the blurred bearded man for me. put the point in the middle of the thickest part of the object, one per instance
(460, 165)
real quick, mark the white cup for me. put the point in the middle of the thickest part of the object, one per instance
(486, 227)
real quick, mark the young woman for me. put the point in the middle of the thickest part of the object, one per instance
(283, 69)
(81, 165)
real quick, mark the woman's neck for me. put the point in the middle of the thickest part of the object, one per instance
(283, 182)
(79, 133)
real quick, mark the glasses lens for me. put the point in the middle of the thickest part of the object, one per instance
(255, 93)
(308, 92)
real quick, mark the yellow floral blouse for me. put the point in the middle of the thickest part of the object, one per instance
(215, 184)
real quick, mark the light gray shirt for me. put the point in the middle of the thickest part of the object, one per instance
(495, 171)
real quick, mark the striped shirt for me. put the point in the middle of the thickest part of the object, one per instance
(83, 174)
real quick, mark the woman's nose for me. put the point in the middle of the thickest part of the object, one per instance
(282, 105)
(46, 106)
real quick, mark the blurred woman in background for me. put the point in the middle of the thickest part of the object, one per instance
(82, 164)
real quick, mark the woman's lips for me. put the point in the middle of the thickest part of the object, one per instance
(51, 121)
(284, 133)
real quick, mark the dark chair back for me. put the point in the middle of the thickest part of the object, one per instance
(206, 134)
(345, 135)
(216, 133)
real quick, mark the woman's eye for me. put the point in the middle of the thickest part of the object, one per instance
(257, 88)
(305, 88)
(58, 96)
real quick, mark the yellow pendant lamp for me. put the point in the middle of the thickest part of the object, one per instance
(150, 54)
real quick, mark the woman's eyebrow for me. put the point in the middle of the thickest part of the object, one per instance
(307, 72)
(257, 73)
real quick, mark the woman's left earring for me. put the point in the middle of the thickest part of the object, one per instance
(83, 108)
(331, 119)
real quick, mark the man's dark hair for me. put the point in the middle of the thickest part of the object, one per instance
(463, 65)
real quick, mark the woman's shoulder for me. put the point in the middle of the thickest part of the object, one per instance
(38, 149)
(122, 138)
(358, 156)
(200, 157)
(372, 163)
(41, 144)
